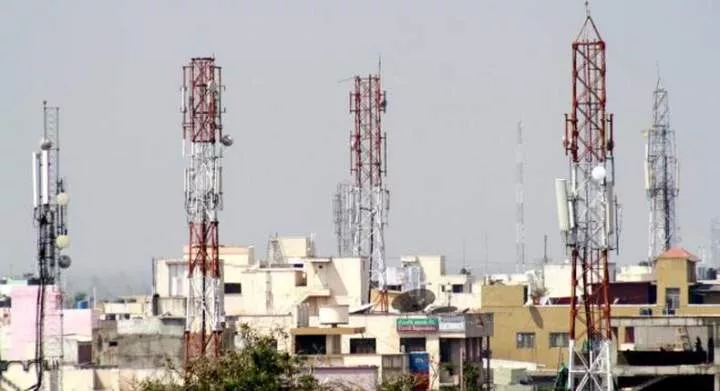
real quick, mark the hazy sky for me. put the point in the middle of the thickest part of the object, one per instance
(459, 75)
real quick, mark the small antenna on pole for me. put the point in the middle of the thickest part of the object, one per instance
(379, 65)
(587, 8)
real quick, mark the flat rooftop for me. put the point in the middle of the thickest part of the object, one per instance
(665, 321)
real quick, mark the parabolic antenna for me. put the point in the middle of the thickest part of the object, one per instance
(362, 309)
(64, 261)
(414, 300)
(441, 309)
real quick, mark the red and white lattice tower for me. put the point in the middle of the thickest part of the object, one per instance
(587, 210)
(203, 142)
(368, 155)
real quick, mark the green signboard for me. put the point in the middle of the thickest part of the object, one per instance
(417, 325)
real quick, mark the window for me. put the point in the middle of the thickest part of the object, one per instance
(458, 288)
(300, 279)
(629, 335)
(525, 340)
(559, 340)
(412, 344)
(310, 344)
(233, 288)
(672, 298)
(362, 345)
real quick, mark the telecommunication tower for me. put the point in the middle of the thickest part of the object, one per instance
(343, 216)
(587, 210)
(203, 144)
(50, 203)
(368, 168)
(661, 176)
(520, 202)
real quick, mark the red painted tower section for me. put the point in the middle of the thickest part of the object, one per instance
(587, 213)
(589, 144)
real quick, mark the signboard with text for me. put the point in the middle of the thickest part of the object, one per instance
(417, 325)
(452, 324)
(472, 325)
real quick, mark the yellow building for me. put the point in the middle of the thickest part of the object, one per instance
(538, 333)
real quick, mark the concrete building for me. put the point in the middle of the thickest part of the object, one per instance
(138, 343)
(291, 291)
(556, 278)
(538, 332)
(17, 334)
(640, 272)
(448, 339)
(125, 307)
(318, 302)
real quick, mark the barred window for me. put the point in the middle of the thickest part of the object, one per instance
(525, 340)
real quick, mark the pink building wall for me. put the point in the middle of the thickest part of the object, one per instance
(23, 319)
(78, 322)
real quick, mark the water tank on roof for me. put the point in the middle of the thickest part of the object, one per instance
(333, 315)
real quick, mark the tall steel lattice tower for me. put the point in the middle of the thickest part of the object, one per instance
(50, 203)
(368, 159)
(202, 132)
(587, 210)
(520, 202)
(661, 176)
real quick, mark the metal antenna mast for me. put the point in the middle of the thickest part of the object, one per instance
(368, 167)
(50, 214)
(520, 202)
(587, 210)
(661, 176)
(202, 131)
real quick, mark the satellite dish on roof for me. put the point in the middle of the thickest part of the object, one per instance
(414, 300)
(362, 309)
(441, 309)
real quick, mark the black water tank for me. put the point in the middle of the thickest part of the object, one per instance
(155, 304)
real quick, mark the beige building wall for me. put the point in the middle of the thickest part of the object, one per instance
(297, 246)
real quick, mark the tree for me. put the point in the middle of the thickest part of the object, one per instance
(404, 382)
(257, 367)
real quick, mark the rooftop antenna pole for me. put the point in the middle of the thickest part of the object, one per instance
(486, 252)
(587, 212)
(519, 203)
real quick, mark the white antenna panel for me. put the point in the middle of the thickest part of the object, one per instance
(563, 208)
